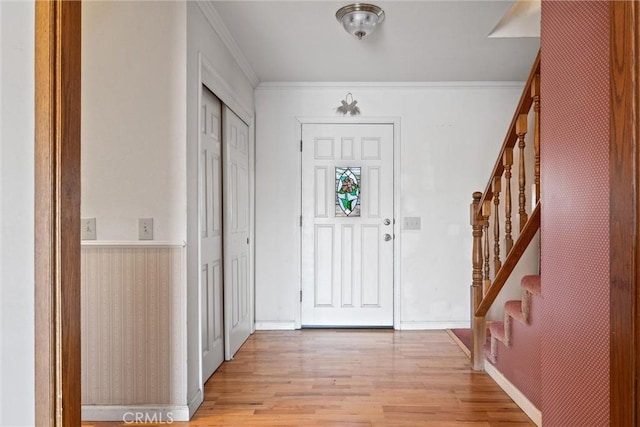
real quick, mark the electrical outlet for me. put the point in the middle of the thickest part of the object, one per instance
(411, 223)
(88, 229)
(145, 229)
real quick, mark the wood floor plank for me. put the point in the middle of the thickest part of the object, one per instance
(352, 378)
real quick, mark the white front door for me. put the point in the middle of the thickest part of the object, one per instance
(211, 234)
(347, 225)
(237, 298)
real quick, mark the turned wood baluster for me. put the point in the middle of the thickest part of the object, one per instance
(476, 257)
(521, 131)
(476, 224)
(497, 183)
(508, 162)
(535, 93)
(478, 326)
(486, 213)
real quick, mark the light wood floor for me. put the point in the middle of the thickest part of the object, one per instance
(352, 378)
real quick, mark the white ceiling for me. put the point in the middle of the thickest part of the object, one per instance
(301, 41)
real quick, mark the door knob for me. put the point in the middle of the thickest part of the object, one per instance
(387, 237)
(387, 221)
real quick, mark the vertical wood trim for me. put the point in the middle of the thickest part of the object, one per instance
(624, 213)
(57, 213)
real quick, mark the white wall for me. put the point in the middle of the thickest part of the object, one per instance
(140, 108)
(133, 121)
(235, 90)
(134, 157)
(450, 137)
(16, 213)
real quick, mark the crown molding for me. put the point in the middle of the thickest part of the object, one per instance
(221, 29)
(392, 85)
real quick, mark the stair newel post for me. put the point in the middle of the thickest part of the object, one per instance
(521, 131)
(477, 324)
(535, 94)
(507, 162)
(497, 183)
(486, 213)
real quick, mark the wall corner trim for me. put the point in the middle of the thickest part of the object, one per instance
(221, 29)
(518, 397)
(194, 404)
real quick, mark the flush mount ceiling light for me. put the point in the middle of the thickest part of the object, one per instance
(360, 19)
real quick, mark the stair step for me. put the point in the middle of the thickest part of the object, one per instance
(497, 331)
(532, 284)
(514, 309)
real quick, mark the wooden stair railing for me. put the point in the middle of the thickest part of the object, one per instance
(527, 234)
(484, 290)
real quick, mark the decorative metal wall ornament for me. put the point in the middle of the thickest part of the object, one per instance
(348, 107)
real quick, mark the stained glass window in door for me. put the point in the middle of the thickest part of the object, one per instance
(348, 191)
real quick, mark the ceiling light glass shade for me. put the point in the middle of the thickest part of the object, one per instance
(360, 19)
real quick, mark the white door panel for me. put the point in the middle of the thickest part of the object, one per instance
(347, 265)
(236, 233)
(210, 234)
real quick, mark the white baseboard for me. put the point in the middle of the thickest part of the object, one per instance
(517, 396)
(407, 326)
(418, 326)
(195, 403)
(140, 413)
(275, 326)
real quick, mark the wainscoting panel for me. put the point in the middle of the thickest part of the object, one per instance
(133, 324)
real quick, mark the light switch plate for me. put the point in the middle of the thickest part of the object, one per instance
(411, 223)
(88, 229)
(145, 229)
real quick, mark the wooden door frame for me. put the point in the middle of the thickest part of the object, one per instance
(57, 213)
(624, 179)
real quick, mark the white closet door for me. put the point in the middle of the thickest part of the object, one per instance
(210, 201)
(237, 298)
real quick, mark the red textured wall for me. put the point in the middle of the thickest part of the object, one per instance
(520, 363)
(575, 215)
